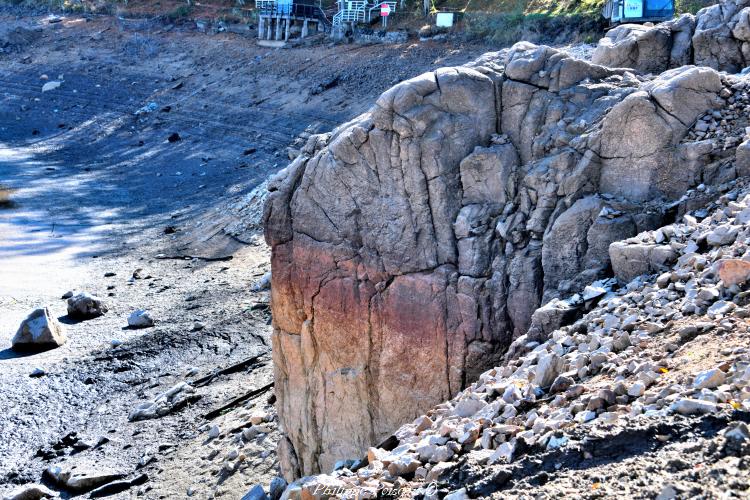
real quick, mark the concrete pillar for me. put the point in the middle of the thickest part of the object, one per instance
(260, 27)
(270, 27)
(304, 28)
(278, 28)
(286, 31)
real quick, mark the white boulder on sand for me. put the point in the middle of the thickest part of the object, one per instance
(140, 319)
(39, 331)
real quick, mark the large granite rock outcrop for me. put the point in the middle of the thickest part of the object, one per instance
(717, 36)
(413, 244)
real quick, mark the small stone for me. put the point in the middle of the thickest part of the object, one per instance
(561, 383)
(547, 369)
(687, 332)
(140, 319)
(405, 464)
(255, 493)
(420, 473)
(438, 470)
(737, 431)
(468, 407)
(375, 455)
(708, 294)
(663, 280)
(637, 389)
(734, 271)
(585, 416)
(277, 487)
(504, 453)
(423, 423)
(689, 406)
(621, 341)
(722, 235)
(214, 432)
(37, 372)
(720, 307)
(86, 306)
(608, 395)
(258, 417)
(556, 442)
(596, 403)
(442, 454)
(709, 379)
(457, 495)
(667, 493)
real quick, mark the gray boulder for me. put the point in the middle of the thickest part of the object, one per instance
(550, 317)
(631, 259)
(39, 331)
(645, 49)
(86, 306)
(648, 49)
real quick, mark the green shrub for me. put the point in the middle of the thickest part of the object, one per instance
(691, 6)
(506, 29)
(179, 13)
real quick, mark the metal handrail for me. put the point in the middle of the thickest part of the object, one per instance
(357, 13)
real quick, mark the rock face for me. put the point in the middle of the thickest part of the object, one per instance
(605, 378)
(717, 36)
(413, 244)
(39, 331)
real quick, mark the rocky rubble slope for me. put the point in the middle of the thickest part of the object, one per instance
(412, 245)
(647, 394)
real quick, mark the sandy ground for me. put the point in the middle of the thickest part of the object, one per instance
(101, 201)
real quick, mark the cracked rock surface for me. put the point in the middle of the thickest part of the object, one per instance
(645, 395)
(718, 37)
(412, 245)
